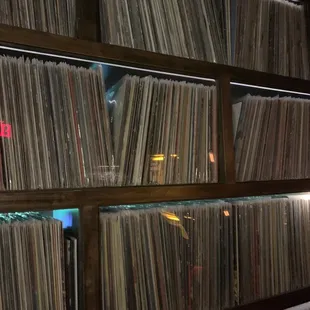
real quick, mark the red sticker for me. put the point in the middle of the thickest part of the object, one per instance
(5, 130)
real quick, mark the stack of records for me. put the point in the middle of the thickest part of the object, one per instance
(273, 238)
(54, 16)
(164, 132)
(201, 255)
(31, 261)
(54, 125)
(179, 257)
(194, 29)
(267, 35)
(271, 36)
(272, 137)
(57, 130)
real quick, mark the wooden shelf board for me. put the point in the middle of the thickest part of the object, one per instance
(45, 42)
(107, 196)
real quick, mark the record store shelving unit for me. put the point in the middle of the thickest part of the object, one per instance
(88, 200)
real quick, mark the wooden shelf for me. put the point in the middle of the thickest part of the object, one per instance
(38, 200)
(49, 43)
(88, 200)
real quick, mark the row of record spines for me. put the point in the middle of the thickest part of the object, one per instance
(294, 266)
(292, 216)
(215, 299)
(18, 128)
(264, 158)
(26, 233)
(289, 70)
(222, 242)
(53, 16)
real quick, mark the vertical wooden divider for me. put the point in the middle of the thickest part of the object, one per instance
(226, 139)
(307, 14)
(89, 258)
(88, 22)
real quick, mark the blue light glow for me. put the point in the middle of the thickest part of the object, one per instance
(66, 216)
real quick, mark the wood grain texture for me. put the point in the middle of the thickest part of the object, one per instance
(88, 20)
(226, 139)
(89, 258)
(107, 196)
(279, 302)
(45, 42)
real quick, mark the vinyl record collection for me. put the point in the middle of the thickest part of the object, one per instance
(164, 132)
(54, 16)
(271, 36)
(267, 35)
(199, 255)
(58, 131)
(273, 239)
(59, 125)
(31, 262)
(274, 146)
(164, 258)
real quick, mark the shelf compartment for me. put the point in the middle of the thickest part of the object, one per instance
(37, 255)
(91, 124)
(218, 253)
(271, 133)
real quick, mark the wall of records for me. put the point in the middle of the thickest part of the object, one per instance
(204, 254)
(264, 35)
(39, 260)
(271, 133)
(73, 123)
(182, 255)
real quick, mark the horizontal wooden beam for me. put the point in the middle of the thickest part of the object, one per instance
(279, 302)
(108, 196)
(45, 42)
